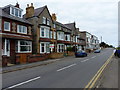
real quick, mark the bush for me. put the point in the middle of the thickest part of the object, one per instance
(69, 48)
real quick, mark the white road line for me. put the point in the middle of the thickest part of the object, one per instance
(66, 67)
(24, 82)
(85, 60)
(93, 57)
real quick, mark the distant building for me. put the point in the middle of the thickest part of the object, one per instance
(91, 41)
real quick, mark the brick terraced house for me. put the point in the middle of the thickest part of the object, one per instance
(37, 35)
(16, 35)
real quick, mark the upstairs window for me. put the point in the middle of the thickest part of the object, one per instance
(48, 22)
(54, 25)
(6, 26)
(21, 29)
(44, 20)
(16, 12)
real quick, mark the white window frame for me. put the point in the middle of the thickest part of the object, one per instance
(46, 32)
(8, 26)
(19, 47)
(60, 36)
(19, 10)
(5, 52)
(22, 29)
(60, 47)
(48, 21)
(54, 35)
(44, 20)
(0, 24)
(45, 47)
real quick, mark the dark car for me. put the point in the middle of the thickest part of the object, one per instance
(97, 51)
(80, 53)
(117, 53)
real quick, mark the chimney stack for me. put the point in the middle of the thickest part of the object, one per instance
(54, 18)
(29, 11)
(17, 5)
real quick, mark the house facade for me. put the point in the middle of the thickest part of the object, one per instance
(91, 41)
(16, 35)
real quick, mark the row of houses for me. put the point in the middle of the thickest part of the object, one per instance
(37, 35)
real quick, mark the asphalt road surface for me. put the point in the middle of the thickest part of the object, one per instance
(67, 72)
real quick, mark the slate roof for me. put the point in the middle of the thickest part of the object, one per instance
(37, 11)
(58, 23)
(70, 25)
(6, 15)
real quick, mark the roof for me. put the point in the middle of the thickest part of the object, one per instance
(37, 11)
(58, 23)
(70, 25)
(6, 15)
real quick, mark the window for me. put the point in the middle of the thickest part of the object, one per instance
(67, 37)
(48, 22)
(0, 24)
(42, 32)
(60, 36)
(60, 47)
(51, 34)
(23, 46)
(6, 26)
(54, 35)
(44, 20)
(12, 10)
(16, 12)
(44, 47)
(21, 29)
(54, 25)
(45, 32)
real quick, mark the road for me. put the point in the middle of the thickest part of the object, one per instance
(67, 72)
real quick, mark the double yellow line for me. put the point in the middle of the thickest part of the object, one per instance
(97, 75)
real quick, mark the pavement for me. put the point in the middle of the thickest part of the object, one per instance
(109, 78)
(68, 72)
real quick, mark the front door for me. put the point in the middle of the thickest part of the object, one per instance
(7, 47)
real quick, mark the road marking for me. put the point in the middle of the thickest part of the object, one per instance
(85, 60)
(24, 82)
(66, 67)
(93, 57)
(97, 75)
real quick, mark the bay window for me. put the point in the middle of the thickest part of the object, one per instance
(60, 48)
(67, 37)
(44, 47)
(23, 46)
(6, 26)
(45, 32)
(60, 35)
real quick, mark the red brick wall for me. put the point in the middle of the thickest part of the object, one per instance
(39, 57)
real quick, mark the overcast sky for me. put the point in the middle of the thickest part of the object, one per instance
(99, 17)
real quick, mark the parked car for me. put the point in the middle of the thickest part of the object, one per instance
(97, 51)
(80, 53)
(117, 53)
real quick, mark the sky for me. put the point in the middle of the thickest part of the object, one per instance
(99, 17)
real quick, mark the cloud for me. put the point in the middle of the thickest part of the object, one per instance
(98, 17)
